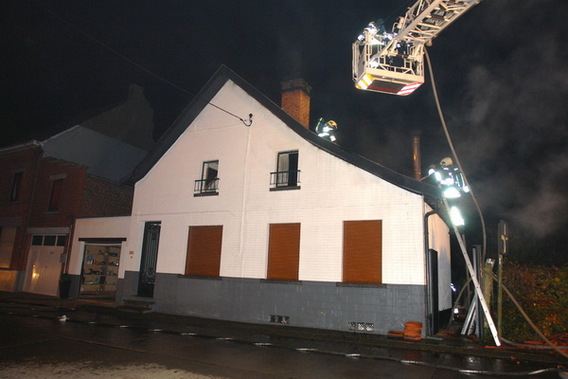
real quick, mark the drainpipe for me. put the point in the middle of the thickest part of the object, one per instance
(429, 309)
(23, 261)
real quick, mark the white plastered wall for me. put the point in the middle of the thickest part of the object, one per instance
(97, 227)
(439, 240)
(332, 191)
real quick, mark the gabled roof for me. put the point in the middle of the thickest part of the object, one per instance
(211, 88)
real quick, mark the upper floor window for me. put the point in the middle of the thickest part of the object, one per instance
(287, 175)
(209, 182)
(16, 185)
(55, 196)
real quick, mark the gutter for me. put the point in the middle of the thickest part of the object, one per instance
(21, 147)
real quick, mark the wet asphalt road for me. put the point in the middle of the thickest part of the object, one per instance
(87, 346)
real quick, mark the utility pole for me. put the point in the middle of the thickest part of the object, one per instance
(503, 232)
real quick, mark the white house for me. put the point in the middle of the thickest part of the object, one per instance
(242, 213)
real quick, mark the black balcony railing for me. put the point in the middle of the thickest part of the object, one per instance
(285, 179)
(204, 187)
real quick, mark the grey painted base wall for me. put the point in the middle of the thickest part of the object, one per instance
(323, 305)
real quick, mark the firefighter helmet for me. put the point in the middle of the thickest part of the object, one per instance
(446, 162)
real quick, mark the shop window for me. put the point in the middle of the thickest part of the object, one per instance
(204, 250)
(287, 175)
(283, 251)
(362, 251)
(100, 270)
(209, 182)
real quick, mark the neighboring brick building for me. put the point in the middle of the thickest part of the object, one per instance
(45, 185)
(17, 186)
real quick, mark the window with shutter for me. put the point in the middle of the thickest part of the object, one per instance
(362, 251)
(204, 250)
(283, 251)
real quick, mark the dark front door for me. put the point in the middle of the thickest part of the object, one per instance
(433, 290)
(149, 259)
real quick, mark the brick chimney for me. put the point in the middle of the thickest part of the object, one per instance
(296, 100)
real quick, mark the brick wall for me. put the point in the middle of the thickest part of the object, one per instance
(104, 198)
(296, 100)
(15, 213)
(81, 196)
(73, 176)
(23, 161)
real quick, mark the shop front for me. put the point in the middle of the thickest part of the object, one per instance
(99, 274)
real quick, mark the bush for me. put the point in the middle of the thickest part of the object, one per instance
(543, 294)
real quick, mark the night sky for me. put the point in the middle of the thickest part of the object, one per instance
(501, 71)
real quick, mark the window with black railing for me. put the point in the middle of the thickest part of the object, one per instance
(284, 179)
(288, 175)
(209, 182)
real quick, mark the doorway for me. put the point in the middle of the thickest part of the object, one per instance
(45, 263)
(149, 259)
(100, 270)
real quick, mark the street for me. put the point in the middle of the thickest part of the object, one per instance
(40, 345)
(32, 345)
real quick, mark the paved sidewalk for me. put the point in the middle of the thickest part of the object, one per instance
(101, 312)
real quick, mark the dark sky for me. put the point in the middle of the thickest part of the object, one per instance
(501, 71)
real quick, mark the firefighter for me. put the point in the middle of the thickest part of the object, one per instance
(326, 130)
(449, 177)
(370, 30)
(451, 182)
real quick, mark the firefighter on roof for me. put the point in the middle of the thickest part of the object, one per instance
(449, 177)
(326, 130)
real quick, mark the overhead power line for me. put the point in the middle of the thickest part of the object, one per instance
(139, 66)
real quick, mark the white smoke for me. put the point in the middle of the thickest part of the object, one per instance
(514, 139)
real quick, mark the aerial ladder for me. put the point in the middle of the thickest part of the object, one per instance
(393, 62)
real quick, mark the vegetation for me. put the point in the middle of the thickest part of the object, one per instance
(543, 293)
